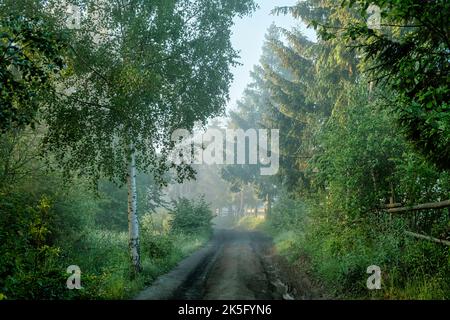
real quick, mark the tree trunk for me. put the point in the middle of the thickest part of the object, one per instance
(269, 205)
(374, 180)
(241, 205)
(392, 198)
(133, 223)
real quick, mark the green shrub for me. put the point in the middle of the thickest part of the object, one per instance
(340, 249)
(156, 223)
(287, 213)
(157, 246)
(29, 263)
(190, 216)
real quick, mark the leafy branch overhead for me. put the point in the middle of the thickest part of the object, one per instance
(31, 59)
(135, 81)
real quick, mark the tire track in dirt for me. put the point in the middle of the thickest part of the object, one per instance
(235, 265)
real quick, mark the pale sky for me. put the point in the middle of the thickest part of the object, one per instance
(248, 38)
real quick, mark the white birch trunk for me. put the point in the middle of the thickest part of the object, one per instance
(133, 223)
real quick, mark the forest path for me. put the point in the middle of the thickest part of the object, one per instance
(234, 265)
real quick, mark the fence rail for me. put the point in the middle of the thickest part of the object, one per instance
(398, 208)
(424, 237)
(424, 206)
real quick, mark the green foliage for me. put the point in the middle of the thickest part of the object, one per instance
(26, 228)
(156, 223)
(157, 246)
(113, 201)
(132, 74)
(359, 146)
(167, 68)
(287, 212)
(339, 252)
(157, 243)
(248, 222)
(409, 54)
(191, 217)
(343, 156)
(42, 235)
(361, 156)
(32, 57)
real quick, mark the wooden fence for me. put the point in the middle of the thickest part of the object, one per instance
(397, 208)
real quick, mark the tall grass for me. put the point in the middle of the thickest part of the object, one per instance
(104, 262)
(340, 251)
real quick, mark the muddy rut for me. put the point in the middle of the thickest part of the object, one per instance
(234, 265)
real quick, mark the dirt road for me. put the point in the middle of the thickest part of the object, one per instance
(235, 265)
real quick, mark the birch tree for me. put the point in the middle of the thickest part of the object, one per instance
(138, 70)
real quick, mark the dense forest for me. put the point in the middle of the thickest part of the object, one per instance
(89, 101)
(365, 118)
